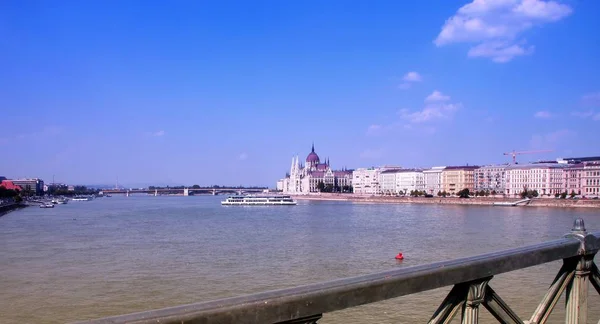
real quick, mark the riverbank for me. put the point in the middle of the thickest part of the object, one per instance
(483, 201)
(5, 209)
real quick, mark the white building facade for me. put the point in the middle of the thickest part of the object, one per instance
(409, 180)
(365, 181)
(308, 179)
(545, 178)
(432, 179)
(591, 180)
(387, 182)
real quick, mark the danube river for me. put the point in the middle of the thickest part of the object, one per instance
(119, 255)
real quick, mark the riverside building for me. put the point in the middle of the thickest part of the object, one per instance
(34, 185)
(408, 180)
(305, 178)
(545, 178)
(433, 179)
(457, 178)
(491, 178)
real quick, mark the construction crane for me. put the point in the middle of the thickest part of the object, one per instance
(515, 153)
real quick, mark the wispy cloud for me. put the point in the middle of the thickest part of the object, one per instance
(374, 129)
(543, 114)
(496, 26)
(410, 78)
(591, 99)
(436, 107)
(551, 140)
(371, 154)
(159, 133)
(243, 156)
(436, 96)
(429, 113)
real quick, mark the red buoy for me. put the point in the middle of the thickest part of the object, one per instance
(400, 256)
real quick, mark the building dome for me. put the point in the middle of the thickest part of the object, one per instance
(312, 157)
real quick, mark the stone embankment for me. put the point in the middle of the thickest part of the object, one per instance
(4, 209)
(483, 201)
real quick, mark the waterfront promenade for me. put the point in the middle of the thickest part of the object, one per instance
(475, 201)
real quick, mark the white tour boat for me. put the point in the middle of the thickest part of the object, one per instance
(262, 200)
(82, 199)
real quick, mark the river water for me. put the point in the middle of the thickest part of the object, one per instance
(120, 255)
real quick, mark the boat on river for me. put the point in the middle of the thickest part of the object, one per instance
(47, 205)
(523, 202)
(59, 201)
(82, 199)
(259, 200)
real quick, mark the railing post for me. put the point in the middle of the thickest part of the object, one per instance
(475, 296)
(577, 290)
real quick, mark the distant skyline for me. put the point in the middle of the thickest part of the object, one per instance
(227, 92)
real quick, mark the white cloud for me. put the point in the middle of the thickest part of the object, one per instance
(495, 26)
(499, 52)
(371, 154)
(436, 96)
(374, 129)
(243, 156)
(429, 113)
(436, 107)
(159, 133)
(543, 114)
(410, 78)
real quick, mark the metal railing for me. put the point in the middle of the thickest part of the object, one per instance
(469, 276)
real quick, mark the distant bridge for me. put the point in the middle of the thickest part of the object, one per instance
(184, 191)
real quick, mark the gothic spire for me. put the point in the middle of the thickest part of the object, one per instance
(313, 147)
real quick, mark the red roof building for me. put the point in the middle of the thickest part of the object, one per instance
(7, 184)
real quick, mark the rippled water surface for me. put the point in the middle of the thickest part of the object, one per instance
(125, 254)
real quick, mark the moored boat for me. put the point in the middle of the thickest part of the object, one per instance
(259, 200)
(82, 198)
(47, 205)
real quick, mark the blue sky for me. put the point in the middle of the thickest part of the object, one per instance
(226, 92)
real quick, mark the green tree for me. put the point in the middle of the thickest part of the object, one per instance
(563, 195)
(321, 186)
(572, 194)
(556, 195)
(463, 193)
(493, 192)
(195, 186)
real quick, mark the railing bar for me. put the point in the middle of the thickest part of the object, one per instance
(561, 281)
(595, 277)
(450, 306)
(275, 306)
(499, 309)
